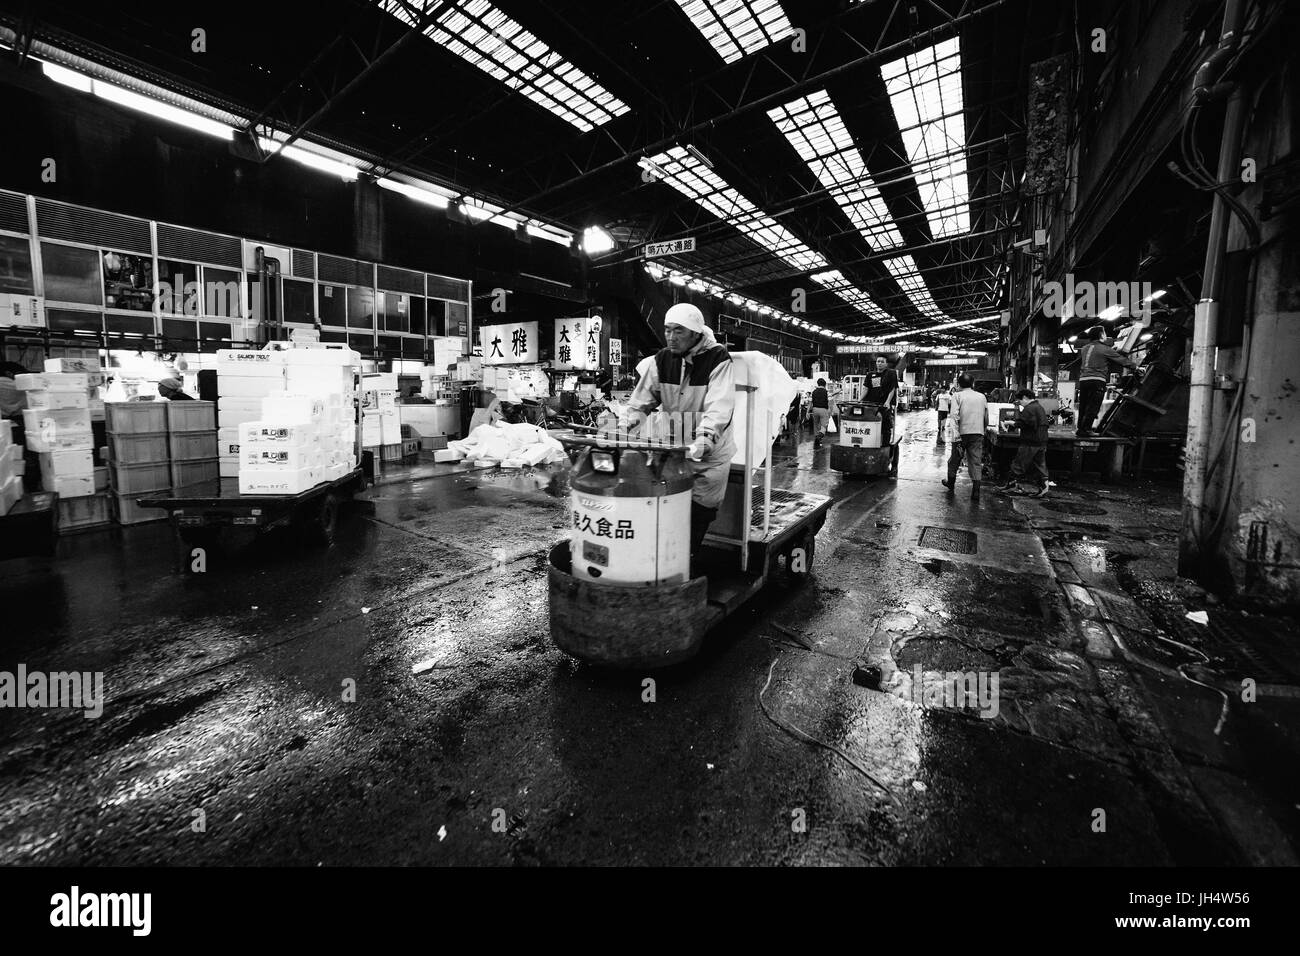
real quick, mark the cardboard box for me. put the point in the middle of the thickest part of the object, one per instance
(58, 440)
(73, 365)
(447, 455)
(60, 419)
(300, 434)
(40, 398)
(279, 455)
(77, 462)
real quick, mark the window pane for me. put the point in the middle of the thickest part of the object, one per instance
(457, 319)
(397, 312)
(299, 301)
(361, 308)
(333, 306)
(417, 314)
(220, 293)
(71, 274)
(128, 281)
(179, 292)
(16, 266)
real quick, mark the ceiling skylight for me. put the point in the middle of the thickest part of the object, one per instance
(815, 129)
(736, 28)
(694, 180)
(904, 270)
(835, 281)
(483, 35)
(925, 91)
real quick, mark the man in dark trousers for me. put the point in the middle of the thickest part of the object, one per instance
(969, 413)
(1033, 420)
(882, 390)
(821, 411)
(1095, 359)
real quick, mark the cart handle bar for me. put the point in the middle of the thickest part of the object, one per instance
(628, 445)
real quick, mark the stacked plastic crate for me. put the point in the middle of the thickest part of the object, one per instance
(11, 468)
(192, 443)
(139, 463)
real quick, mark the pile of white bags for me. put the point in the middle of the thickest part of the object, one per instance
(511, 446)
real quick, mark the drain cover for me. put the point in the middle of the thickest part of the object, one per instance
(956, 540)
(1070, 508)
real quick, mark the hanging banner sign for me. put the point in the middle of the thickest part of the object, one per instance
(510, 344)
(653, 249)
(577, 343)
(615, 353)
(860, 348)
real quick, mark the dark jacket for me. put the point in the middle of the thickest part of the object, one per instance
(821, 398)
(1033, 421)
(1095, 359)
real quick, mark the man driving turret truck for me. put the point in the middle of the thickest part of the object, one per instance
(691, 383)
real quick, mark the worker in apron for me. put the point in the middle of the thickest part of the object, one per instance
(691, 383)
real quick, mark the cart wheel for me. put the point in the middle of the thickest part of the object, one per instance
(323, 523)
(893, 462)
(792, 566)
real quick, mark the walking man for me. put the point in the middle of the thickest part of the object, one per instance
(821, 411)
(1095, 359)
(943, 402)
(969, 412)
(1031, 459)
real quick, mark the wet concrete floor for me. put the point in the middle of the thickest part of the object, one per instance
(396, 699)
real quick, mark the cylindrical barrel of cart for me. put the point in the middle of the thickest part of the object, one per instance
(631, 515)
(860, 425)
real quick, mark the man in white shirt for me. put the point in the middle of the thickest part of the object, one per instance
(943, 402)
(969, 413)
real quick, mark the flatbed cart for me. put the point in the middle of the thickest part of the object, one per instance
(760, 535)
(199, 514)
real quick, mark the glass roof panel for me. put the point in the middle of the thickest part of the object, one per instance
(736, 28)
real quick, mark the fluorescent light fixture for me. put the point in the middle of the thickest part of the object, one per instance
(1154, 295)
(596, 241)
(814, 127)
(483, 35)
(946, 325)
(314, 160)
(1072, 338)
(736, 28)
(415, 192)
(542, 231)
(161, 110)
(677, 280)
(925, 91)
(1144, 337)
(1110, 313)
(59, 74)
(699, 156)
(652, 168)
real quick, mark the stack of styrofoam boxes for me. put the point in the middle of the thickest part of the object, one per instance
(244, 378)
(306, 434)
(57, 421)
(192, 443)
(83, 511)
(11, 465)
(138, 461)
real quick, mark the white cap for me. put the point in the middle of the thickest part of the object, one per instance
(685, 315)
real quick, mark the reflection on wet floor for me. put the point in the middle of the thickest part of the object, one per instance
(349, 706)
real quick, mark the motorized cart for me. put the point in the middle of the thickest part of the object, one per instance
(623, 592)
(861, 449)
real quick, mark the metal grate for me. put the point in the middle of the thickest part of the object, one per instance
(304, 264)
(455, 290)
(13, 212)
(401, 280)
(196, 246)
(955, 540)
(779, 500)
(345, 271)
(92, 227)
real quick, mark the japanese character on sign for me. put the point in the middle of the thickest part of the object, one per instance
(566, 354)
(603, 528)
(624, 531)
(519, 341)
(582, 522)
(564, 336)
(593, 359)
(496, 347)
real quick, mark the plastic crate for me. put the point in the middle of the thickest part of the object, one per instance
(135, 418)
(390, 452)
(191, 416)
(79, 514)
(142, 449)
(125, 510)
(135, 479)
(192, 446)
(186, 473)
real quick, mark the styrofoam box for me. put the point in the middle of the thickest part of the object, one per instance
(69, 486)
(228, 442)
(80, 461)
(292, 409)
(10, 493)
(40, 398)
(448, 454)
(249, 361)
(7, 470)
(61, 381)
(60, 440)
(64, 419)
(276, 481)
(12, 451)
(297, 434)
(256, 455)
(6, 432)
(321, 357)
(228, 467)
(248, 386)
(73, 365)
(391, 429)
(378, 380)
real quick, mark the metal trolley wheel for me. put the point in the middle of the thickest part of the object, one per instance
(320, 523)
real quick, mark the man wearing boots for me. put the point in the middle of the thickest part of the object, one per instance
(969, 413)
(1032, 455)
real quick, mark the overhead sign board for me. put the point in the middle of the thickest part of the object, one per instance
(861, 348)
(653, 249)
(577, 343)
(513, 343)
